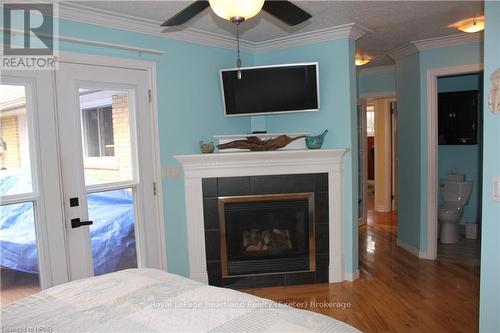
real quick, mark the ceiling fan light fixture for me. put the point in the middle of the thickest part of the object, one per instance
(236, 10)
(473, 25)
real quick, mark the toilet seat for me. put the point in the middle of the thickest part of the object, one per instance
(450, 209)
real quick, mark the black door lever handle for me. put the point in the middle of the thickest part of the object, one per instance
(76, 223)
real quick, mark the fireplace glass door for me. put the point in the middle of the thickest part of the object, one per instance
(263, 234)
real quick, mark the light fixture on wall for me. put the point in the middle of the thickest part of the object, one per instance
(236, 11)
(361, 60)
(472, 25)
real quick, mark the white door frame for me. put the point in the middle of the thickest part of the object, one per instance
(432, 150)
(160, 261)
(49, 228)
(363, 146)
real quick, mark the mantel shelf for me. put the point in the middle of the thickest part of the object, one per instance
(280, 162)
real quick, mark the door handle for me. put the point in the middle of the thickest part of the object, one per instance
(76, 223)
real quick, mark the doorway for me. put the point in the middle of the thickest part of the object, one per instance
(78, 181)
(378, 156)
(459, 158)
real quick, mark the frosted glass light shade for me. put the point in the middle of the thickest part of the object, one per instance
(228, 9)
(473, 25)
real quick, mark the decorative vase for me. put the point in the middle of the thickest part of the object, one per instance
(315, 142)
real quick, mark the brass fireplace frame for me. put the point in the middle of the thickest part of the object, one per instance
(267, 197)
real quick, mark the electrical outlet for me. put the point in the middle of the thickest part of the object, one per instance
(171, 171)
(496, 188)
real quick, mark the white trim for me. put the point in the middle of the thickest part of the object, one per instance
(402, 51)
(432, 149)
(199, 166)
(350, 30)
(376, 95)
(82, 13)
(83, 41)
(434, 43)
(362, 221)
(150, 67)
(377, 70)
(348, 276)
(447, 41)
(413, 250)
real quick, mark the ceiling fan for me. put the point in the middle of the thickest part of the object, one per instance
(237, 11)
(240, 10)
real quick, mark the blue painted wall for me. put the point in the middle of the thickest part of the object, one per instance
(430, 59)
(466, 158)
(376, 83)
(338, 114)
(190, 109)
(411, 86)
(409, 159)
(489, 314)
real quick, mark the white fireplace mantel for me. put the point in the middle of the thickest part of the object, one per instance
(199, 166)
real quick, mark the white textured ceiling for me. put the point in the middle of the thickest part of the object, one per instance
(393, 23)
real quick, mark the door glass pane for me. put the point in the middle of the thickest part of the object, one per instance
(112, 233)
(18, 252)
(107, 143)
(14, 143)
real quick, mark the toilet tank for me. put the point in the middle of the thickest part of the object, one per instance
(456, 191)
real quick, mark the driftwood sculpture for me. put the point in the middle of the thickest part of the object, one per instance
(256, 144)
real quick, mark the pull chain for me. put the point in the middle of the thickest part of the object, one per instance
(238, 60)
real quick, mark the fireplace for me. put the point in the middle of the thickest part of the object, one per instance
(262, 234)
(296, 233)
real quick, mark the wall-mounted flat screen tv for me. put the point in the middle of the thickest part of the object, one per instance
(270, 89)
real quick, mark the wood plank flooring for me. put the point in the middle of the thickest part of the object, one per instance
(396, 291)
(16, 285)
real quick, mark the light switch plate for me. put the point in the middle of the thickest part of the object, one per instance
(171, 171)
(496, 188)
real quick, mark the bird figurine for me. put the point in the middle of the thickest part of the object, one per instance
(315, 142)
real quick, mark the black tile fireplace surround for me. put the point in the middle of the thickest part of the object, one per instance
(213, 188)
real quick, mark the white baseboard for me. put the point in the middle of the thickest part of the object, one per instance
(413, 250)
(351, 276)
(382, 209)
(362, 221)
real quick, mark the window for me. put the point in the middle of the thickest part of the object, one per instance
(370, 120)
(98, 132)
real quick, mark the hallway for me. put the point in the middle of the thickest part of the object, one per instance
(396, 291)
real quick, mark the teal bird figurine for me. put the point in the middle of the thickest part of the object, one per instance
(315, 142)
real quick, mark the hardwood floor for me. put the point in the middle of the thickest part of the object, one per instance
(396, 291)
(16, 285)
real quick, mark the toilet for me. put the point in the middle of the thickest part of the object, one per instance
(455, 191)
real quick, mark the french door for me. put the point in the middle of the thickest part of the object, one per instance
(91, 201)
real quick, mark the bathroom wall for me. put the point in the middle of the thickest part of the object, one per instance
(489, 299)
(466, 158)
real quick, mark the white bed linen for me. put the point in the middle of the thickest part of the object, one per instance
(147, 300)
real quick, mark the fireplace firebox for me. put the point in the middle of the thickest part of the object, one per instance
(262, 234)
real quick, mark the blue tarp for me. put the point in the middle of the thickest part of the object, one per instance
(112, 234)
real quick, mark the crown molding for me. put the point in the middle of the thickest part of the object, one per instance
(81, 13)
(402, 51)
(351, 30)
(447, 41)
(376, 70)
(434, 43)
(104, 18)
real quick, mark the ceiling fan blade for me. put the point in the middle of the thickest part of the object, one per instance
(186, 14)
(286, 12)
